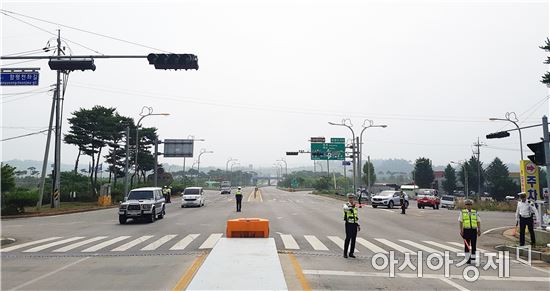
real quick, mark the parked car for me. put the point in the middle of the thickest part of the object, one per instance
(388, 198)
(142, 203)
(192, 196)
(448, 202)
(225, 190)
(428, 197)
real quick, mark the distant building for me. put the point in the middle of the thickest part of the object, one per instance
(439, 177)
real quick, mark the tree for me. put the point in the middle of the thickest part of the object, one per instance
(498, 180)
(546, 78)
(471, 168)
(8, 178)
(423, 173)
(368, 167)
(90, 130)
(449, 185)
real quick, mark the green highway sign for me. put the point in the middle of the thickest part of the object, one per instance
(328, 151)
(337, 140)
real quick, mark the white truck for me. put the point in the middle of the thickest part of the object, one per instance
(225, 187)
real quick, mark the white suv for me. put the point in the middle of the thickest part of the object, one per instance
(147, 203)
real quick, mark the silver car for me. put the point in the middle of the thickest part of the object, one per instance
(388, 198)
(142, 203)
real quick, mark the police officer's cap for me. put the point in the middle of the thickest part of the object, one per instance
(351, 195)
(468, 202)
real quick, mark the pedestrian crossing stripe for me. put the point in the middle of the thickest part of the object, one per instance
(173, 243)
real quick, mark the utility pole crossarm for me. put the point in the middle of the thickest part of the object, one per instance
(73, 57)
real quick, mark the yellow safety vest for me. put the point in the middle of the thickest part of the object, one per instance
(469, 220)
(350, 215)
(238, 193)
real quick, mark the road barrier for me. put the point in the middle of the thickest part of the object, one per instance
(247, 227)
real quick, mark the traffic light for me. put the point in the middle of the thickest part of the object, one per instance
(174, 61)
(291, 153)
(69, 64)
(499, 134)
(539, 158)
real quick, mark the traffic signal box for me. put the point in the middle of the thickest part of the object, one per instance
(247, 227)
(174, 61)
(539, 158)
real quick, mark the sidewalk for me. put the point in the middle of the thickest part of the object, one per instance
(539, 252)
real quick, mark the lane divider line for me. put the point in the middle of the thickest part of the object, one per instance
(190, 273)
(50, 273)
(299, 273)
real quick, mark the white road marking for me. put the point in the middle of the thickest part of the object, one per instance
(421, 247)
(182, 244)
(424, 276)
(28, 244)
(159, 242)
(387, 210)
(489, 230)
(371, 246)
(445, 247)
(457, 286)
(131, 244)
(78, 244)
(289, 242)
(315, 243)
(49, 274)
(211, 241)
(338, 241)
(105, 244)
(53, 244)
(395, 246)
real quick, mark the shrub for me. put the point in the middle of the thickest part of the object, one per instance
(15, 202)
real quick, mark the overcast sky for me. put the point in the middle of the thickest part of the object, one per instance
(273, 73)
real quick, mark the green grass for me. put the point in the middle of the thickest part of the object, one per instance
(63, 206)
(491, 205)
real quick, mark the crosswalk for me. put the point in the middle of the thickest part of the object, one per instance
(196, 241)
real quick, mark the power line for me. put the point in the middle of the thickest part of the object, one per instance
(49, 32)
(86, 31)
(25, 135)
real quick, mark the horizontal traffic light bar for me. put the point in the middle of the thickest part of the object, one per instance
(160, 61)
(499, 134)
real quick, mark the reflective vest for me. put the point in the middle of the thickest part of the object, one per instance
(350, 214)
(469, 220)
(238, 193)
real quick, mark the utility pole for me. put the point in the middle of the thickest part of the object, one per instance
(478, 145)
(57, 168)
(328, 169)
(127, 160)
(368, 174)
(546, 137)
(357, 165)
(156, 162)
(46, 154)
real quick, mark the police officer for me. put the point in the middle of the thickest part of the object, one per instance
(524, 217)
(470, 229)
(165, 193)
(239, 198)
(351, 219)
(403, 201)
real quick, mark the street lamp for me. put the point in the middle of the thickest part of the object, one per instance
(366, 125)
(513, 118)
(143, 114)
(353, 145)
(463, 165)
(227, 163)
(191, 137)
(203, 151)
(286, 166)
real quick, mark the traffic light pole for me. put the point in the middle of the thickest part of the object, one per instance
(546, 136)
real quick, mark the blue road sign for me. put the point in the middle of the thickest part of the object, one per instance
(19, 77)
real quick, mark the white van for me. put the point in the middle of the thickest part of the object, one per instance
(192, 196)
(448, 201)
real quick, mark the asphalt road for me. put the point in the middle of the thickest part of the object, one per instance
(91, 251)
